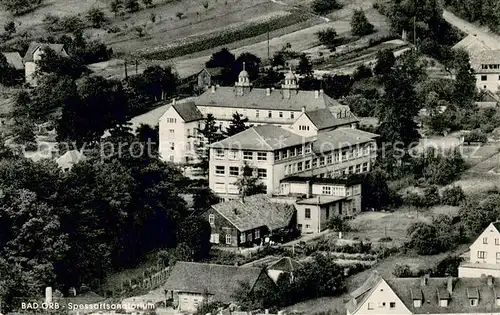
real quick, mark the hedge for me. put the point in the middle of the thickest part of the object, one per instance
(228, 37)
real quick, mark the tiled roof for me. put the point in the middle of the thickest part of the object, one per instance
(221, 281)
(485, 57)
(256, 98)
(340, 138)
(14, 59)
(214, 71)
(474, 44)
(256, 211)
(324, 118)
(262, 138)
(407, 289)
(285, 264)
(188, 111)
(57, 48)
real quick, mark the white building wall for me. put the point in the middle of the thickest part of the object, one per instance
(477, 272)
(379, 302)
(490, 81)
(303, 126)
(172, 134)
(29, 71)
(487, 245)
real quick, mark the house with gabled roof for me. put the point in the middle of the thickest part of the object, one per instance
(486, 66)
(426, 295)
(210, 76)
(34, 54)
(191, 283)
(484, 254)
(243, 223)
(179, 127)
(285, 265)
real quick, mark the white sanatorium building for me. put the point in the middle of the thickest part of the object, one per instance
(308, 112)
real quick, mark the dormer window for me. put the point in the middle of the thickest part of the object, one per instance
(443, 302)
(473, 295)
(473, 302)
(417, 303)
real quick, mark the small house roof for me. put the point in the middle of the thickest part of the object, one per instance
(286, 264)
(324, 118)
(220, 281)
(256, 211)
(68, 159)
(14, 59)
(57, 48)
(188, 111)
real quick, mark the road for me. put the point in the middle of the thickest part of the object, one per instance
(490, 39)
(300, 40)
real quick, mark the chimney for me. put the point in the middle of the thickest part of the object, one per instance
(423, 280)
(321, 92)
(303, 109)
(308, 193)
(449, 286)
(48, 295)
(217, 85)
(266, 311)
(173, 101)
(213, 88)
(318, 200)
(490, 281)
(268, 91)
(316, 94)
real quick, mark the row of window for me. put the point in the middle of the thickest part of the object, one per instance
(491, 66)
(171, 120)
(299, 226)
(249, 236)
(307, 165)
(371, 306)
(292, 152)
(235, 155)
(485, 241)
(485, 78)
(270, 114)
(235, 171)
(482, 255)
(214, 239)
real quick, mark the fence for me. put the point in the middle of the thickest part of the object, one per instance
(155, 279)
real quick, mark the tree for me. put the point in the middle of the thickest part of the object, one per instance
(19, 7)
(453, 195)
(360, 24)
(252, 66)
(7, 72)
(328, 37)
(402, 271)
(477, 212)
(51, 62)
(96, 17)
(116, 6)
(148, 3)
(338, 224)
(203, 198)
(431, 196)
(249, 183)
(362, 72)
(385, 62)
(25, 134)
(10, 28)
(179, 15)
(305, 66)
(195, 233)
(375, 191)
(132, 5)
(211, 133)
(465, 91)
(325, 6)
(223, 59)
(237, 125)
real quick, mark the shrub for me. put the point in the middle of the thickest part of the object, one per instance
(431, 196)
(475, 136)
(70, 23)
(338, 224)
(385, 239)
(96, 17)
(148, 3)
(452, 196)
(328, 37)
(402, 271)
(179, 15)
(360, 24)
(132, 5)
(205, 4)
(325, 6)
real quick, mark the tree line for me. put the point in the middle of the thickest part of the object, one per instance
(486, 12)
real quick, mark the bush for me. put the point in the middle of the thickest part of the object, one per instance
(338, 224)
(132, 5)
(96, 17)
(402, 271)
(70, 23)
(431, 196)
(325, 6)
(385, 239)
(328, 37)
(475, 136)
(360, 24)
(452, 196)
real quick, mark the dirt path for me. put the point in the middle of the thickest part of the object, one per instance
(300, 40)
(491, 39)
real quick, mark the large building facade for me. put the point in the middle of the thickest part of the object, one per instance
(276, 152)
(486, 66)
(288, 107)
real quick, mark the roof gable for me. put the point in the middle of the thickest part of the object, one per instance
(493, 226)
(286, 264)
(324, 118)
(34, 46)
(188, 111)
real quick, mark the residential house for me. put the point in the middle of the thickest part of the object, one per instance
(70, 158)
(281, 107)
(277, 153)
(15, 60)
(317, 200)
(191, 283)
(210, 76)
(484, 255)
(486, 66)
(246, 222)
(34, 54)
(474, 44)
(179, 138)
(425, 295)
(283, 265)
